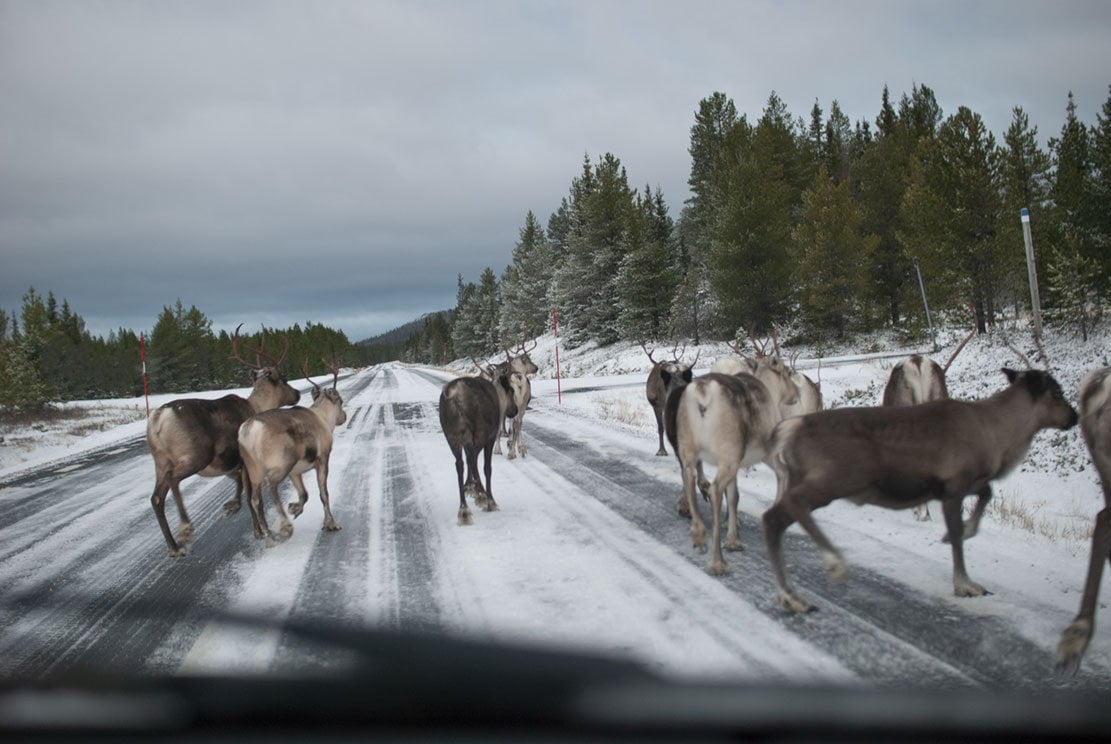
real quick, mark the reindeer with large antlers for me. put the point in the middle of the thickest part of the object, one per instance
(665, 376)
(290, 442)
(192, 436)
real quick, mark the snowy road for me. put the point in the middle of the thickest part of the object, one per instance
(586, 552)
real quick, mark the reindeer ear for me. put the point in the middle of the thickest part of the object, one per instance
(1011, 374)
(315, 392)
(688, 375)
(665, 376)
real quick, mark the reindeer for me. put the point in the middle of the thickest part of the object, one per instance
(289, 442)
(665, 376)
(898, 457)
(192, 436)
(725, 420)
(471, 412)
(520, 366)
(1095, 425)
(917, 379)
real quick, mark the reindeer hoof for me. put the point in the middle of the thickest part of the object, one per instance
(490, 505)
(177, 552)
(231, 507)
(733, 546)
(510, 454)
(969, 589)
(331, 527)
(1073, 644)
(465, 517)
(793, 603)
(185, 533)
(295, 508)
(286, 531)
(661, 452)
(270, 541)
(717, 568)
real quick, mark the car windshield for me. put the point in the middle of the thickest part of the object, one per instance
(611, 351)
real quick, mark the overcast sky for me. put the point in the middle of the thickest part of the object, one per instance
(342, 162)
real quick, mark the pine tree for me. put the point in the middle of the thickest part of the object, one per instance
(833, 254)
(749, 262)
(1024, 170)
(952, 210)
(647, 278)
(1076, 299)
(585, 287)
(524, 285)
(1100, 186)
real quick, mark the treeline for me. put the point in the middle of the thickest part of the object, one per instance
(813, 225)
(46, 354)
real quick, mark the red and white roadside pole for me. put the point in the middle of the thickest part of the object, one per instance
(143, 359)
(555, 330)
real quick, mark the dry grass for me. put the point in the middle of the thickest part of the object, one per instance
(1024, 516)
(624, 411)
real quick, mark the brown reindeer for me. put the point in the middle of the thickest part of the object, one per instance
(471, 412)
(192, 436)
(665, 376)
(1095, 425)
(903, 456)
(289, 442)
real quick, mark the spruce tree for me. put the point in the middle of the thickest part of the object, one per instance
(952, 210)
(833, 254)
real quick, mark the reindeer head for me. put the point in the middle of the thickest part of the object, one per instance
(322, 397)
(270, 389)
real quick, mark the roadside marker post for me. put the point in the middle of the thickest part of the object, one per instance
(1032, 272)
(555, 331)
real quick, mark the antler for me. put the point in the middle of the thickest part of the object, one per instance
(305, 368)
(258, 351)
(737, 347)
(235, 351)
(647, 352)
(335, 372)
(330, 365)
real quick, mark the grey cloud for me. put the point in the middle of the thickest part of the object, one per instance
(351, 158)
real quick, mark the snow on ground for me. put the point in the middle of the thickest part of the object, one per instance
(1033, 543)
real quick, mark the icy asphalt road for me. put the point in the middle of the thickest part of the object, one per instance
(586, 552)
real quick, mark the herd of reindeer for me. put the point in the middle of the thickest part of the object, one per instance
(919, 445)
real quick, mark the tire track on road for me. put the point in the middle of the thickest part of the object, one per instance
(881, 629)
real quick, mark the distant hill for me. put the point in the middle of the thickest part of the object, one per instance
(398, 336)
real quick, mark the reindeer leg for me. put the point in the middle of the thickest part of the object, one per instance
(661, 452)
(501, 433)
(286, 530)
(776, 521)
(185, 528)
(703, 483)
(1074, 641)
(464, 516)
(698, 527)
(298, 506)
(158, 502)
(330, 524)
(474, 485)
(234, 504)
(922, 512)
(258, 514)
(831, 556)
(732, 538)
(487, 464)
(724, 475)
(963, 586)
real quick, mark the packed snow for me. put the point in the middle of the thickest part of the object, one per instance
(547, 555)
